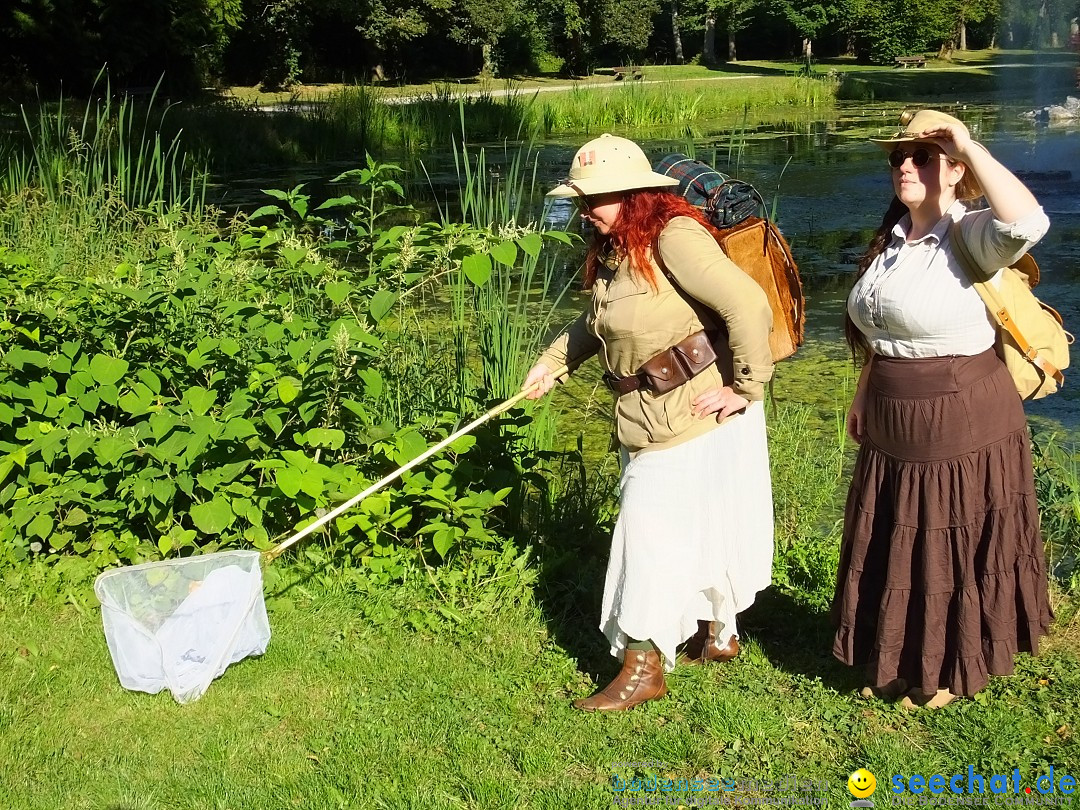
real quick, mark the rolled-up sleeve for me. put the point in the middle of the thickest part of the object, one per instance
(706, 273)
(573, 346)
(995, 244)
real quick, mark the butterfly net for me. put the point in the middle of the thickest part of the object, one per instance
(178, 624)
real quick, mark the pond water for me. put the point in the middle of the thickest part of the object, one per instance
(831, 188)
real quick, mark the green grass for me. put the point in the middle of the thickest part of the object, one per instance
(350, 707)
(971, 75)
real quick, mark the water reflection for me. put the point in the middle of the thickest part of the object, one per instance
(830, 188)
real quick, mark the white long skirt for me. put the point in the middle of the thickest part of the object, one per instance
(694, 538)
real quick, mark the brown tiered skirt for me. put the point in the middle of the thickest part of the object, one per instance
(942, 574)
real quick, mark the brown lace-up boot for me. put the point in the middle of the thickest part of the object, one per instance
(640, 679)
(703, 647)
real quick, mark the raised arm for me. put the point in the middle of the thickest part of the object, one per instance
(1008, 198)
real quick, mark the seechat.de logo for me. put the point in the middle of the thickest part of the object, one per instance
(862, 784)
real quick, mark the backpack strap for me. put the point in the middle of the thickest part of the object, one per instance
(699, 308)
(998, 311)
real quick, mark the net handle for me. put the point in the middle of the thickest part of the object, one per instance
(276, 551)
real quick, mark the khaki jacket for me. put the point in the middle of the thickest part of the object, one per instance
(629, 322)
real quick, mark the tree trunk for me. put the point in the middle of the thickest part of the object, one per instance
(993, 41)
(961, 35)
(378, 73)
(807, 48)
(488, 56)
(945, 52)
(731, 55)
(708, 44)
(849, 49)
(675, 32)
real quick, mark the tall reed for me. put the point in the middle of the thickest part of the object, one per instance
(515, 307)
(114, 145)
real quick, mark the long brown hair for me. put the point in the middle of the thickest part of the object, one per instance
(856, 340)
(643, 214)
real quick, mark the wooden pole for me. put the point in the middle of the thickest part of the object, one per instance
(276, 551)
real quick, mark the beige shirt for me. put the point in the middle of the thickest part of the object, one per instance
(629, 322)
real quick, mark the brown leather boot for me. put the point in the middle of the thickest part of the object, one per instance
(641, 678)
(703, 648)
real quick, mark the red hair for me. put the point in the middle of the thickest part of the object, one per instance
(643, 215)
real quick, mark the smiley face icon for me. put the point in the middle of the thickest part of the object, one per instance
(861, 784)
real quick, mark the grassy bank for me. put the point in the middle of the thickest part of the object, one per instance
(355, 706)
(241, 129)
(171, 387)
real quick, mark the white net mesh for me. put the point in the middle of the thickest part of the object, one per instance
(178, 624)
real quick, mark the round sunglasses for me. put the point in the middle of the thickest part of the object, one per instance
(919, 158)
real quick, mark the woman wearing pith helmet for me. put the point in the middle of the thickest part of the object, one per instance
(942, 576)
(687, 363)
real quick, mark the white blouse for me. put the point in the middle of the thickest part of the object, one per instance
(915, 300)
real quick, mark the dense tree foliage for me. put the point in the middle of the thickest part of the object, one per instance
(278, 42)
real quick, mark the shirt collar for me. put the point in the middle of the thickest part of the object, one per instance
(954, 212)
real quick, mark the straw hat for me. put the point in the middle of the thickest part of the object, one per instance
(913, 125)
(610, 163)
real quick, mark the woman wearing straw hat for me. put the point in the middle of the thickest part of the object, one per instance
(942, 575)
(687, 363)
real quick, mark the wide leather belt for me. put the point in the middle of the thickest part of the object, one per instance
(670, 368)
(622, 385)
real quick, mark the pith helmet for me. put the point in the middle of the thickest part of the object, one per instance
(610, 163)
(912, 125)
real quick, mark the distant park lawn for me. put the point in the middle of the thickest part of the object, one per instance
(982, 66)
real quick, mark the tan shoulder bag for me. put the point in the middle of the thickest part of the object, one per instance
(1031, 340)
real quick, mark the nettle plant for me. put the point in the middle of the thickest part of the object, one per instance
(224, 390)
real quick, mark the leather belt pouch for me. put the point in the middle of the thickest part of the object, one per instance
(672, 367)
(696, 352)
(663, 372)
